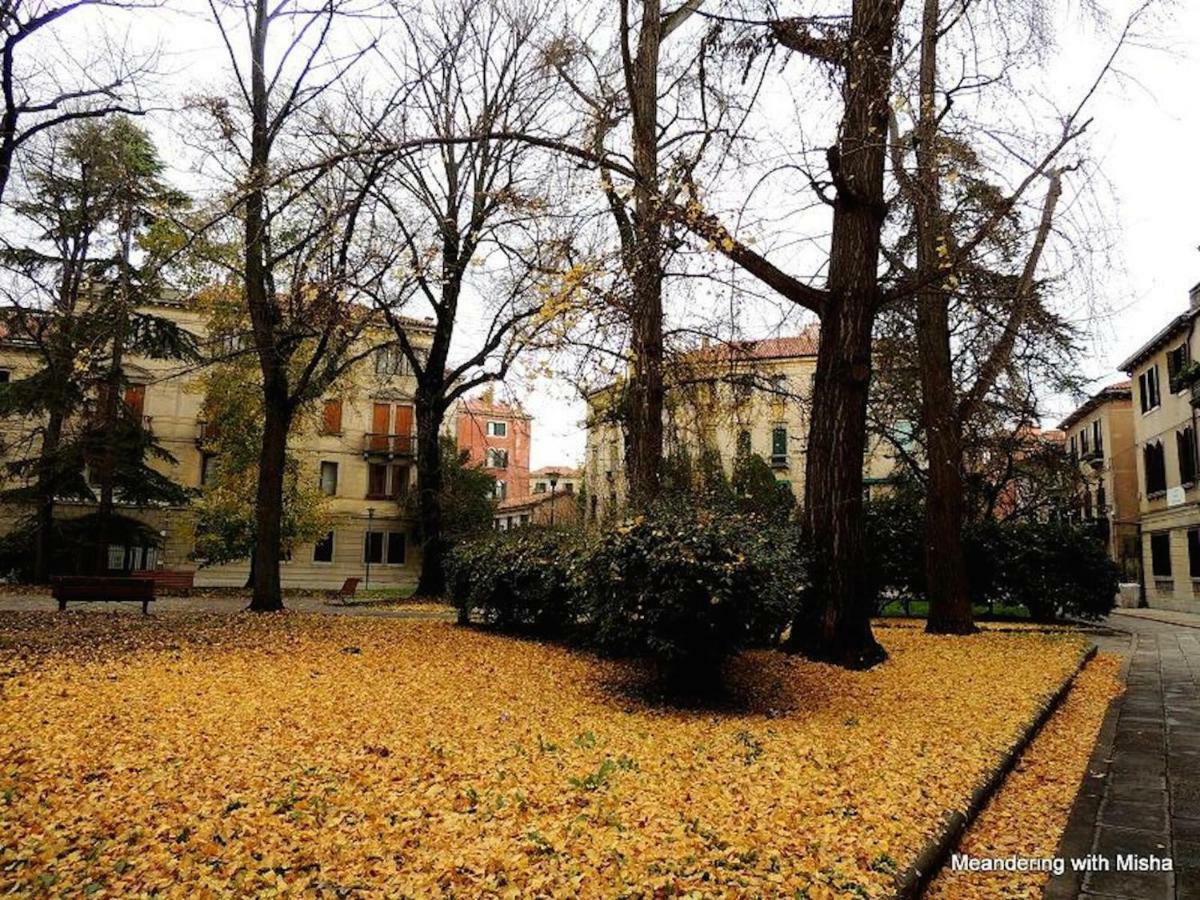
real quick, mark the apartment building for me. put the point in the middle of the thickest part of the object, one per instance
(495, 435)
(1166, 394)
(360, 451)
(555, 479)
(1100, 438)
(740, 398)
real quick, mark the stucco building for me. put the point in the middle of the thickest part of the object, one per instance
(358, 448)
(1100, 438)
(739, 398)
(1165, 396)
(495, 435)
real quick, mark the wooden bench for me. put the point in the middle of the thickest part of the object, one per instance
(96, 589)
(346, 591)
(170, 581)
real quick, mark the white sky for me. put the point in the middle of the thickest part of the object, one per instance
(1145, 134)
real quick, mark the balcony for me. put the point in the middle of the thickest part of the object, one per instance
(389, 446)
(206, 431)
(1095, 457)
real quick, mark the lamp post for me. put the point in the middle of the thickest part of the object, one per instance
(553, 484)
(367, 553)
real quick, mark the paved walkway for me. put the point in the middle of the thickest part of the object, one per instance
(1142, 794)
(223, 603)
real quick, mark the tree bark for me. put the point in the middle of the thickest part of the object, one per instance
(946, 585)
(268, 544)
(645, 407)
(44, 546)
(432, 580)
(837, 624)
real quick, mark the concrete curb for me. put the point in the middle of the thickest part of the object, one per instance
(913, 881)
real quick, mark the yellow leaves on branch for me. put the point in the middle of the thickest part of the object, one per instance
(326, 755)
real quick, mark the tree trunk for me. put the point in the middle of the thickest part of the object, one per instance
(44, 546)
(837, 625)
(432, 581)
(268, 543)
(644, 448)
(945, 563)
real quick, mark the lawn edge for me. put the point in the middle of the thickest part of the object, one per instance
(912, 881)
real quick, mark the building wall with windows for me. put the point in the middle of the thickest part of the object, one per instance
(356, 443)
(1100, 437)
(495, 435)
(1164, 412)
(567, 479)
(749, 397)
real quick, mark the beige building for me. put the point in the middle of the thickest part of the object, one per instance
(555, 479)
(746, 397)
(1100, 437)
(359, 450)
(1165, 397)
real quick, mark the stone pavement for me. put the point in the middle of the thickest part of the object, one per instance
(222, 603)
(1142, 792)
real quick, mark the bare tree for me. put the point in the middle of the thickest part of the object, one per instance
(43, 86)
(480, 248)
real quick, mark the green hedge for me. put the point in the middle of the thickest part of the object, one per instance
(683, 587)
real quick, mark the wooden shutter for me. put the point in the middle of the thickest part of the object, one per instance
(404, 428)
(135, 398)
(331, 417)
(381, 414)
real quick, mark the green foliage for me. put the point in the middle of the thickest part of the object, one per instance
(689, 587)
(517, 579)
(759, 492)
(468, 494)
(73, 544)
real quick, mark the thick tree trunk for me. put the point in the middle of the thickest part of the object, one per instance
(432, 581)
(945, 563)
(644, 447)
(44, 540)
(268, 543)
(837, 626)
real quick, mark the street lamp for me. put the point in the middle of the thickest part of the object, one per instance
(553, 484)
(367, 548)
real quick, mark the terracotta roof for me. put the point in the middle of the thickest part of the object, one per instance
(803, 344)
(1119, 390)
(1164, 336)
(563, 471)
(479, 407)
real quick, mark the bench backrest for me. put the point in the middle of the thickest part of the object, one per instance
(85, 587)
(349, 587)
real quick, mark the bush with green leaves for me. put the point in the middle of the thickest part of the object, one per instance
(688, 587)
(517, 579)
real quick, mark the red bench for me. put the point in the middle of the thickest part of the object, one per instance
(170, 581)
(346, 591)
(101, 589)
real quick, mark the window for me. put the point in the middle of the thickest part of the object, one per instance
(1098, 437)
(1148, 389)
(1193, 538)
(569, 487)
(396, 548)
(1074, 448)
(1087, 504)
(1101, 501)
(501, 490)
(323, 549)
(1083, 442)
(497, 459)
(779, 441)
(1160, 554)
(373, 547)
(539, 487)
(135, 398)
(385, 482)
(208, 468)
(331, 417)
(329, 478)
(5, 376)
(497, 429)
(1155, 466)
(1176, 360)
(1185, 445)
(744, 444)
(390, 360)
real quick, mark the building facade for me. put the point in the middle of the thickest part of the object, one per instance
(1100, 438)
(555, 479)
(358, 448)
(495, 435)
(1165, 396)
(737, 399)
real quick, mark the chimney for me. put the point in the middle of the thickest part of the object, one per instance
(1194, 297)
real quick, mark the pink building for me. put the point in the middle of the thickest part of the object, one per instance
(496, 435)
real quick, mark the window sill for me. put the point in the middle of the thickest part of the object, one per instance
(1156, 495)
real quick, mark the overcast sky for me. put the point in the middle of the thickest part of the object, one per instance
(1145, 135)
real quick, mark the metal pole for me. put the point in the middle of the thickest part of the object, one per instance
(553, 485)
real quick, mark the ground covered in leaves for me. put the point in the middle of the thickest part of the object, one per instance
(219, 755)
(1027, 816)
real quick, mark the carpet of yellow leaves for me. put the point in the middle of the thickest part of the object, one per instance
(218, 755)
(1027, 816)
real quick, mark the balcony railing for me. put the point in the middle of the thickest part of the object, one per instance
(389, 445)
(206, 431)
